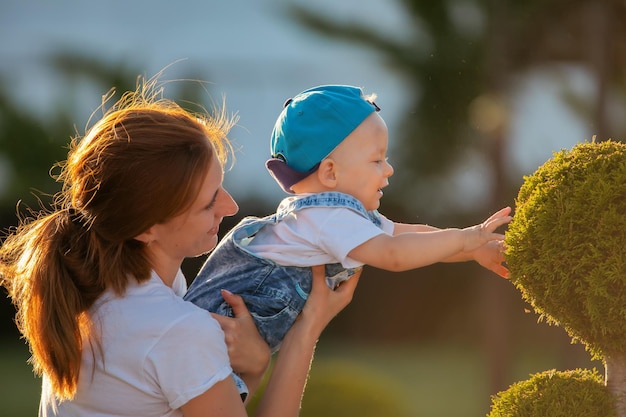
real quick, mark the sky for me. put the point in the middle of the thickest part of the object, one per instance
(255, 57)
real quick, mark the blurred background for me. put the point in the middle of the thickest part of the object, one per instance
(476, 94)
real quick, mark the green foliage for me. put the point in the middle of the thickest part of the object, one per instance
(20, 387)
(339, 389)
(29, 148)
(566, 244)
(443, 65)
(577, 393)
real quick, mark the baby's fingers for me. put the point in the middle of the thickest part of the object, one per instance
(498, 219)
(504, 212)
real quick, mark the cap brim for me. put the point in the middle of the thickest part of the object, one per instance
(285, 176)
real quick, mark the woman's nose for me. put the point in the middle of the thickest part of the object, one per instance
(228, 205)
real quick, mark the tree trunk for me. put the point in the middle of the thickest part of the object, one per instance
(615, 378)
(601, 40)
(495, 305)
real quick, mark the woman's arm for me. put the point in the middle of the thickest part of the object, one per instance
(283, 393)
(222, 399)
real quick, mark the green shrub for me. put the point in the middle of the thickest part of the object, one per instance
(565, 244)
(578, 393)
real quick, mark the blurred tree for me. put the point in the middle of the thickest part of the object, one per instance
(103, 75)
(28, 148)
(459, 59)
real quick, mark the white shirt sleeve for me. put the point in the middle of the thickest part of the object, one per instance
(201, 358)
(343, 230)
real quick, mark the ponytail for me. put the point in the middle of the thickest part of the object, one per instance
(43, 269)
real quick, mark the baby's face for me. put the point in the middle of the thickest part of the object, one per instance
(362, 169)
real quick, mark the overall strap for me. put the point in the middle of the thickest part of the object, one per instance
(326, 199)
(249, 226)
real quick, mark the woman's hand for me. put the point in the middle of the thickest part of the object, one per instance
(284, 390)
(249, 354)
(324, 303)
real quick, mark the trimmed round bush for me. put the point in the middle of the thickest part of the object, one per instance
(577, 393)
(566, 244)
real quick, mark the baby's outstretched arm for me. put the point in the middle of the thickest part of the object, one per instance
(414, 246)
(491, 256)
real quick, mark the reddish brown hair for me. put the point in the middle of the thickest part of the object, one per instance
(140, 165)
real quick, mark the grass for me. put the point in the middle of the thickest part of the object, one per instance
(19, 388)
(426, 377)
(433, 381)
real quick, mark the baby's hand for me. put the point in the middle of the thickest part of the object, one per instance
(491, 256)
(477, 236)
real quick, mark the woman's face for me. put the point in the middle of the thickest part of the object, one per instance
(194, 232)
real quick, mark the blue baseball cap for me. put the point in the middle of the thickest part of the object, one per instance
(310, 126)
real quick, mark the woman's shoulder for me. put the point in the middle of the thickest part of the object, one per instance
(155, 310)
(181, 317)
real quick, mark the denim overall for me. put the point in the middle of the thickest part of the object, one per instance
(274, 294)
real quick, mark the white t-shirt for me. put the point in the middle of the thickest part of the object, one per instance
(159, 352)
(317, 236)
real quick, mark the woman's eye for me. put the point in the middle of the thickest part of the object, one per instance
(212, 202)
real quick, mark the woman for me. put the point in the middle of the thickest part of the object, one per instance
(97, 281)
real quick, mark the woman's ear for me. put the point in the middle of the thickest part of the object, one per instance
(326, 173)
(146, 237)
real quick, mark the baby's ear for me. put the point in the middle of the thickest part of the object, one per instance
(326, 173)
